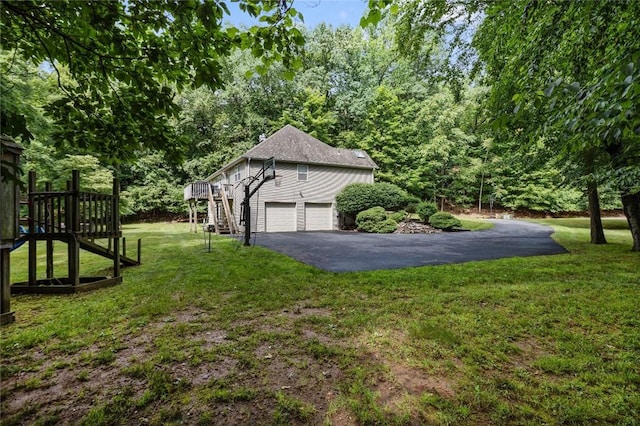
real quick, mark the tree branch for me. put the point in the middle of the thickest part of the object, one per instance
(32, 18)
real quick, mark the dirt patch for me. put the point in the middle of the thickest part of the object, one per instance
(210, 338)
(186, 316)
(342, 417)
(300, 311)
(415, 381)
(529, 350)
(291, 377)
(196, 375)
(402, 383)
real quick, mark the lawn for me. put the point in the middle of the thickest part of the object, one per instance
(243, 335)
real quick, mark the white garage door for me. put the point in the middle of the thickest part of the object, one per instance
(280, 217)
(318, 217)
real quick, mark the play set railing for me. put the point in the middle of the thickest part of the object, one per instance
(85, 214)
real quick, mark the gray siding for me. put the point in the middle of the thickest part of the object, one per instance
(322, 185)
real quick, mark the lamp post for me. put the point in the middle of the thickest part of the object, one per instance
(9, 217)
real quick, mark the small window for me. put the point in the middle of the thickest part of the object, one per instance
(303, 172)
(236, 173)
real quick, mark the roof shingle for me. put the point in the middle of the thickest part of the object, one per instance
(290, 144)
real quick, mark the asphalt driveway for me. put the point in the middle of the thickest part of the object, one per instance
(357, 251)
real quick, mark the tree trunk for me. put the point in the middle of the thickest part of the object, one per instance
(631, 207)
(630, 200)
(597, 231)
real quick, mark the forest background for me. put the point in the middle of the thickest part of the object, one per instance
(409, 96)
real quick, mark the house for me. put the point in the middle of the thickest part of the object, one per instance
(302, 196)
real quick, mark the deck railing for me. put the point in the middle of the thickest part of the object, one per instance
(200, 190)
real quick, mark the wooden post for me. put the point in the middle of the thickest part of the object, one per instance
(32, 229)
(115, 213)
(190, 215)
(211, 206)
(139, 249)
(6, 316)
(73, 229)
(195, 217)
(49, 229)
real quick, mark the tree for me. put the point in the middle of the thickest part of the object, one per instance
(126, 58)
(152, 188)
(449, 165)
(312, 116)
(566, 70)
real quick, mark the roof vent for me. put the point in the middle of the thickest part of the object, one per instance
(262, 137)
(359, 153)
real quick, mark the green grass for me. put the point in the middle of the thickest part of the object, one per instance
(190, 335)
(475, 224)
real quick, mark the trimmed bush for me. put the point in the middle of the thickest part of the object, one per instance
(357, 197)
(374, 214)
(398, 216)
(375, 220)
(387, 226)
(445, 221)
(425, 210)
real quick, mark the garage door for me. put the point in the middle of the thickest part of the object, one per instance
(318, 217)
(280, 217)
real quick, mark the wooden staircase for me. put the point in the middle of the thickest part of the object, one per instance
(225, 223)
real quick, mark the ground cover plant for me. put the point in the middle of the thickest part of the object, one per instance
(376, 220)
(445, 221)
(243, 335)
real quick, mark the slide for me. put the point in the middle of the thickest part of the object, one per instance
(102, 251)
(20, 241)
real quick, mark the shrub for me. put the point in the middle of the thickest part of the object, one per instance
(411, 207)
(398, 216)
(375, 220)
(357, 197)
(444, 221)
(425, 210)
(387, 226)
(411, 203)
(374, 214)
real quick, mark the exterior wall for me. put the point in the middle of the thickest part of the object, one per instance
(322, 185)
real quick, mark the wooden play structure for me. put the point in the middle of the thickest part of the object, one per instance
(219, 218)
(78, 219)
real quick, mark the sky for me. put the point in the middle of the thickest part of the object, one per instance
(331, 12)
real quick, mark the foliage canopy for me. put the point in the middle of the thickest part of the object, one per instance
(126, 58)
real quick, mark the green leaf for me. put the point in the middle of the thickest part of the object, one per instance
(374, 16)
(517, 108)
(289, 75)
(628, 69)
(574, 87)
